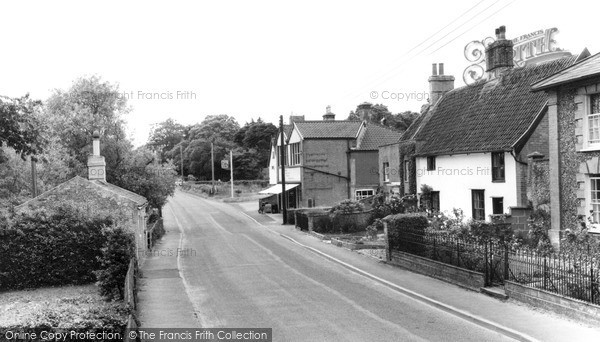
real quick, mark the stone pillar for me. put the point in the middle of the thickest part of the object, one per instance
(554, 170)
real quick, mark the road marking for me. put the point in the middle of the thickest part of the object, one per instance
(216, 224)
(419, 297)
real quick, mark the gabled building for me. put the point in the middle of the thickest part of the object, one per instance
(328, 161)
(573, 96)
(472, 147)
(96, 193)
(397, 162)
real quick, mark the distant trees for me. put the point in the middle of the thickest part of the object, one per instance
(380, 114)
(250, 143)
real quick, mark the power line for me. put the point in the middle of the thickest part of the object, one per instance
(401, 66)
(472, 27)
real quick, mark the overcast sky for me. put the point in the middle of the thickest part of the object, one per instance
(262, 58)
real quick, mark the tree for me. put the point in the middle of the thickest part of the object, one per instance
(19, 126)
(146, 176)
(165, 135)
(90, 104)
(380, 114)
(214, 127)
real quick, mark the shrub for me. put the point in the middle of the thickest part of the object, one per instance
(118, 250)
(401, 224)
(373, 228)
(51, 247)
(157, 232)
(486, 231)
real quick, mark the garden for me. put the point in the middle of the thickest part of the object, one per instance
(64, 267)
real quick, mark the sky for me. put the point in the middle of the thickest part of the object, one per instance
(248, 59)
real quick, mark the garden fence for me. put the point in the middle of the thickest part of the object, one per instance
(569, 275)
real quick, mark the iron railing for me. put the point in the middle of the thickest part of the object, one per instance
(569, 275)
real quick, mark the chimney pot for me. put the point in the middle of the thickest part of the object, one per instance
(441, 69)
(434, 69)
(497, 33)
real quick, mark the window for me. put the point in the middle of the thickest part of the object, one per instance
(430, 163)
(295, 154)
(497, 166)
(287, 156)
(360, 194)
(595, 198)
(435, 201)
(386, 172)
(497, 205)
(406, 170)
(593, 121)
(478, 204)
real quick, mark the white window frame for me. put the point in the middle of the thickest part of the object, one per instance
(294, 154)
(589, 145)
(364, 193)
(591, 202)
(386, 171)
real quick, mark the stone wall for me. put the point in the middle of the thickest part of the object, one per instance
(469, 279)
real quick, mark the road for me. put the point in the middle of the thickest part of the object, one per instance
(239, 274)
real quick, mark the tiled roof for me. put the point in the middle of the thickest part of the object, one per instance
(588, 67)
(329, 129)
(413, 128)
(487, 116)
(376, 136)
(139, 200)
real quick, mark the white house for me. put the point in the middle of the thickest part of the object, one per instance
(473, 149)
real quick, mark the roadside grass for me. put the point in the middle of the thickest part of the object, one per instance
(76, 307)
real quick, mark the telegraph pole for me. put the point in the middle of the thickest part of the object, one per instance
(283, 195)
(231, 168)
(212, 164)
(33, 178)
(181, 155)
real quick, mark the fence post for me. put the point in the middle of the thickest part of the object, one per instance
(457, 253)
(592, 282)
(486, 271)
(545, 274)
(506, 268)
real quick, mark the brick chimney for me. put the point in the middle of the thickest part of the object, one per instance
(439, 84)
(328, 116)
(296, 118)
(96, 163)
(364, 111)
(499, 55)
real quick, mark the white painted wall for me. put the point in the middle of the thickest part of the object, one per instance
(455, 176)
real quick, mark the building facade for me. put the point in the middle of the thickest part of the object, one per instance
(472, 146)
(574, 152)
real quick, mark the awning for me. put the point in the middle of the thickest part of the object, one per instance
(276, 189)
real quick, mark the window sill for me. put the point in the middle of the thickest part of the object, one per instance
(590, 149)
(499, 181)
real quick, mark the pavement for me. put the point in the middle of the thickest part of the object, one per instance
(165, 300)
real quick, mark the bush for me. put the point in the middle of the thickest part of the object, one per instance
(118, 250)
(51, 248)
(373, 228)
(157, 232)
(400, 224)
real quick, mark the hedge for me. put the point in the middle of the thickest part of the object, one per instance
(64, 245)
(402, 224)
